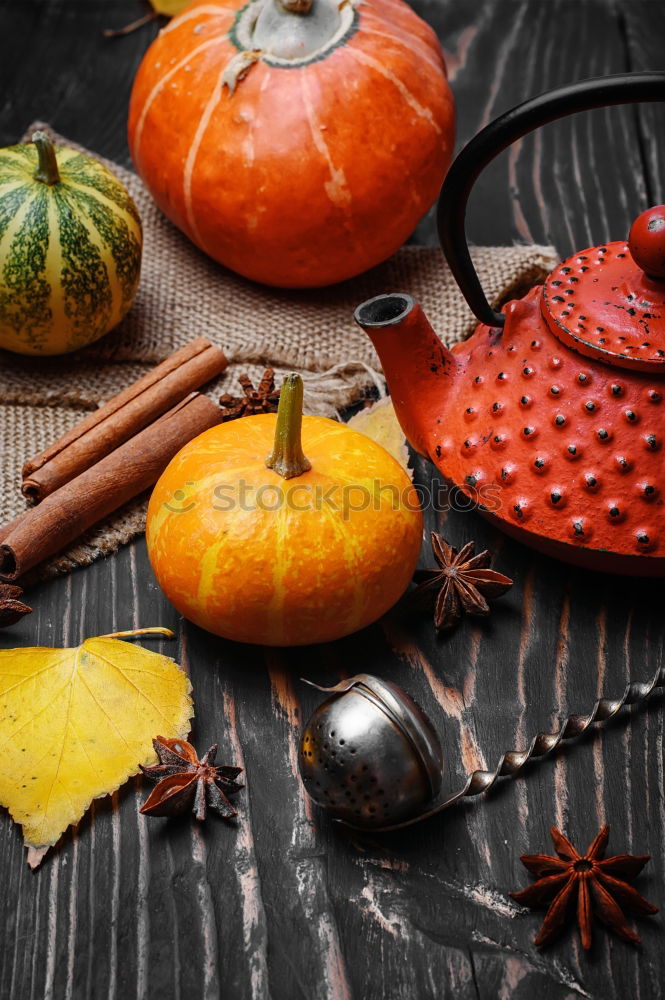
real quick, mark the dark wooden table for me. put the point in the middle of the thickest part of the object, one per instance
(282, 904)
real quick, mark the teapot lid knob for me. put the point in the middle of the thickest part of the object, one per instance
(646, 242)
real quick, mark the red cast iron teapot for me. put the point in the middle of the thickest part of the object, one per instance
(556, 402)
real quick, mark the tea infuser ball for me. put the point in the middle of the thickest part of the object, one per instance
(369, 755)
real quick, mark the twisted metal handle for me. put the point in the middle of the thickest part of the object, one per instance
(542, 745)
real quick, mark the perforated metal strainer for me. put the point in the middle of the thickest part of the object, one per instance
(370, 756)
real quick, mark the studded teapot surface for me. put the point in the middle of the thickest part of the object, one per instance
(551, 416)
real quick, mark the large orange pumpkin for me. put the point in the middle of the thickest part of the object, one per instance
(296, 146)
(306, 550)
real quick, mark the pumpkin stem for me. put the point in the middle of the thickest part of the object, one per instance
(286, 457)
(47, 168)
(296, 6)
(295, 30)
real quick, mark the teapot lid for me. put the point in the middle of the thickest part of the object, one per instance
(608, 302)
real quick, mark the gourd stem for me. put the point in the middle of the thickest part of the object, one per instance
(286, 457)
(293, 31)
(47, 168)
(296, 6)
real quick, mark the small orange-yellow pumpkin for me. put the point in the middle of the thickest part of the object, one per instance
(290, 557)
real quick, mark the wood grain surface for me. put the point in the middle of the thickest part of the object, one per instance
(282, 904)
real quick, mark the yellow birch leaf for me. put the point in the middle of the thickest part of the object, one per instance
(380, 423)
(169, 8)
(76, 723)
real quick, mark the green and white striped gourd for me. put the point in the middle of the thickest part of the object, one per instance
(70, 249)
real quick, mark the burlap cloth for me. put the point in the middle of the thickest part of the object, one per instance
(184, 294)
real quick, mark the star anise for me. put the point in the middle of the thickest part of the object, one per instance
(597, 886)
(463, 581)
(265, 399)
(185, 782)
(12, 608)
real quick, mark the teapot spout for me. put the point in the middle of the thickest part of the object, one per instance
(416, 364)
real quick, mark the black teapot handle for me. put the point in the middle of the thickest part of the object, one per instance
(624, 88)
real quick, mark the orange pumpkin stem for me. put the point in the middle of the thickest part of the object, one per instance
(296, 6)
(287, 457)
(47, 167)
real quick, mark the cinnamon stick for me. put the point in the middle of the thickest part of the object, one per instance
(121, 418)
(6, 529)
(94, 494)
